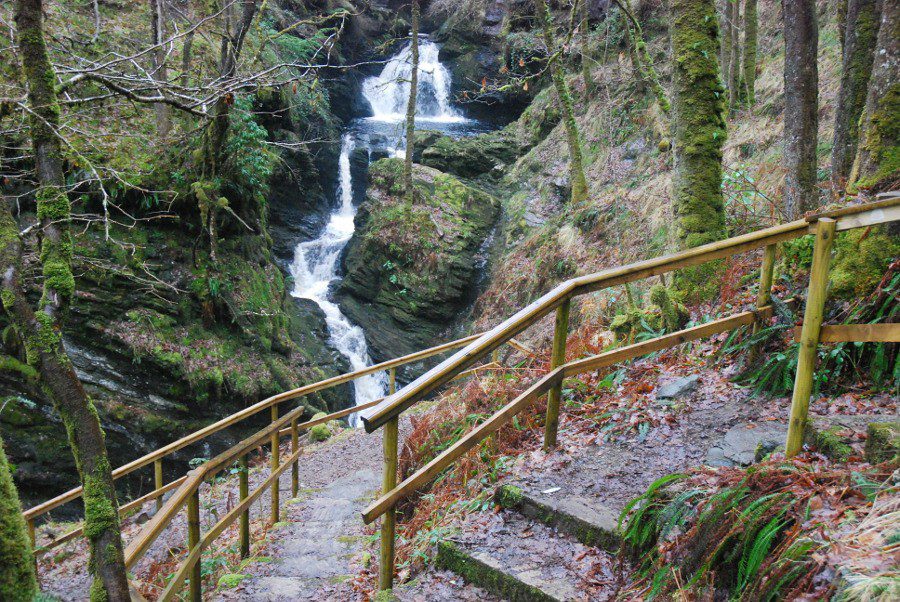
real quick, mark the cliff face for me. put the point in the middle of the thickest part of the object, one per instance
(412, 269)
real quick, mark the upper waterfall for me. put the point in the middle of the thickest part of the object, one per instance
(388, 92)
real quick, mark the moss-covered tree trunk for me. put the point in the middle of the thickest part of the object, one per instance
(17, 578)
(234, 33)
(801, 115)
(751, 36)
(573, 137)
(698, 107)
(40, 329)
(861, 32)
(877, 165)
(411, 103)
(644, 62)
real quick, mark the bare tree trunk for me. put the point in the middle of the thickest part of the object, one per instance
(585, 30)
(725, 35)
(17, 578)
(877, 165)
(801, 119)
(734, 68)
(160, 73)
(751, 34)
(411, 104)
(40, 330)
(186, 58)
(861, 33)
(841, 16)
(698, 109)
(573, 138)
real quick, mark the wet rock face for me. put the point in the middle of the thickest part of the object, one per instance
(411, 270)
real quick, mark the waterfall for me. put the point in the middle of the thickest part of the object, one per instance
(315, 265)
(315, 268)
(388, 93)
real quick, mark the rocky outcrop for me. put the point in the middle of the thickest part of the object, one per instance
(472, 157)
(410, 270)
(160, 361)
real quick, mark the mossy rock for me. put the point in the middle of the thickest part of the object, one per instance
(883, 442)
(828, 442)
(320, 432)
(474, 156)
(412, 267)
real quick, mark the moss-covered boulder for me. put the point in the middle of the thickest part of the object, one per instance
(412, 268)
(473, 156)
(319, 432)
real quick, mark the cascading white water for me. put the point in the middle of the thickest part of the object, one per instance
(316, 261)
(315, 268)
(388, 93)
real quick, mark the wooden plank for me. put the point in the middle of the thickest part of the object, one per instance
(885, 200)
(156, 493)
(389, 522)
(856, 333)
(443, 372)
(873, 217)
(505, 415)
(425, 474)
(664, 342)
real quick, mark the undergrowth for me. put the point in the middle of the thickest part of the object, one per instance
(764, 533)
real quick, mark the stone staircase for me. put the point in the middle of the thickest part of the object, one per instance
(543, 546)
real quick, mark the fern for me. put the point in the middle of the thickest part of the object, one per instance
(754, 554)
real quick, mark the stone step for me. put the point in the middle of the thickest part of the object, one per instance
(516, 558)
(585, 519)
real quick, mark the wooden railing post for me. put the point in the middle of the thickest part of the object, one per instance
(274, 462)
(557, 358)
(392, 381)
(158, 481)
(295, 468)
(389, 520)
(809, 337)
(193, 524)
(764, 296)
(243, 492)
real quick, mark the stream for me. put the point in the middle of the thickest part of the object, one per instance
(316, 263)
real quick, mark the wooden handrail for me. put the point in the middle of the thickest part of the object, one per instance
(164, 516)
(883, 211)
(241, 415)
(525, 399)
